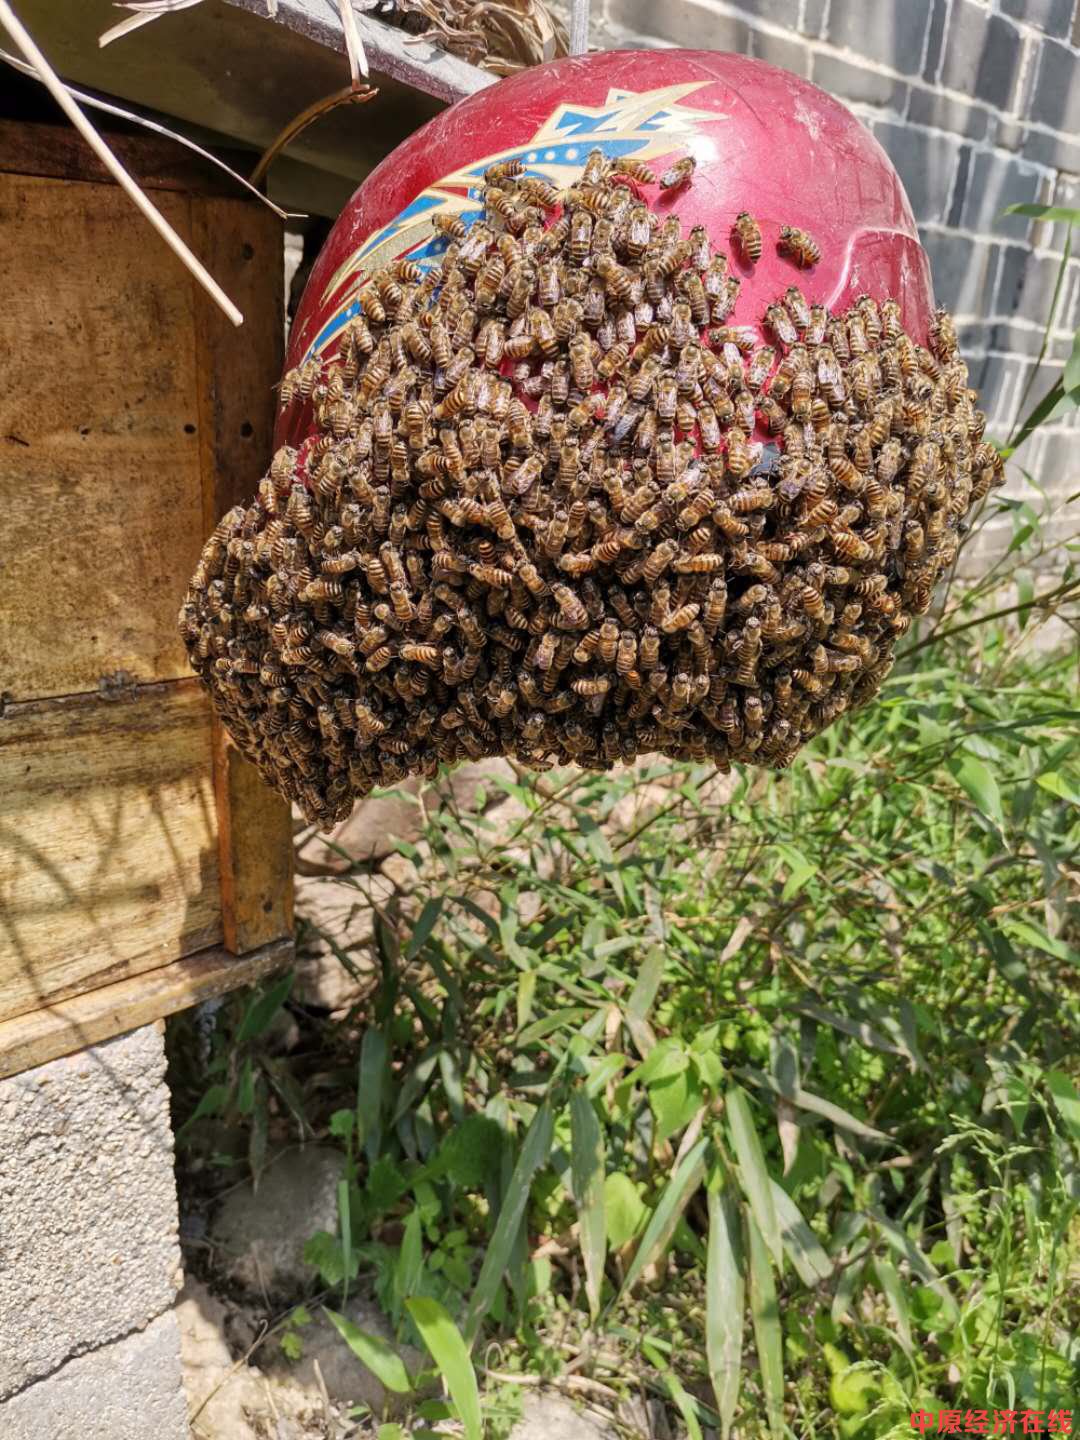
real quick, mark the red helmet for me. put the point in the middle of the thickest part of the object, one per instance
(762, 139)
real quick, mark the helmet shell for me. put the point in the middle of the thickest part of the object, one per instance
(764, 140)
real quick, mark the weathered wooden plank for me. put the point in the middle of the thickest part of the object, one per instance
(108, 840)
(99, 483)
(255, 829)
(239, 369)
(71, 1025)
(60, 153)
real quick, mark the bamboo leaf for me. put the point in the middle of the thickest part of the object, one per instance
(725, 1303)
(535, 1151)
(587, 1166)
(1066, 1099)
(425, 924)
(262, 1010)
(380, 1358)
(905, 1247)
(686, 1179)
(1045, 212)
(447, 1348)
(767, 1333)
(803, 1247)
(684, 1403)
(889, 1281)
(753, 1172)
(976, 780)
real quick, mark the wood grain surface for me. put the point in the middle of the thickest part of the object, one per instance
(100, 483)
(71, 1025)
(108, 840)
(239, 372)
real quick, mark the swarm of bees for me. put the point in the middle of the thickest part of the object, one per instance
(532, 517)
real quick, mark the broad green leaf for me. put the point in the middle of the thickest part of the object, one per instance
(1058, 785)
(648, 982)
(1045, 212)
(345, 1223)
(682, 1185)
(685, 1404)
(666, 1059)
(425, 924)
(380, 1358)
(768, 1336)
(674, 1103)
(262, 1010)
(342, 1124)
(526, 990)
(535, 1151)
(1030, 934)
(245, 1087)
(803, 1247)
(725, 1302)
(573, 1015)
(1071, 378)
(899, 1241)
(624, 1209)
(393, 1431)
(410, 1259)
(1066, 1099)
(800, 869)
(974, 777)
(212, 1102)
(859, 1029)
(603, 1070)
(447, 1348)
(891, 1284)
(587, 1165)
(753, 1172)
(323, 1251)
(806, 1100)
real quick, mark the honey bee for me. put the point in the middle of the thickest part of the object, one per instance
(740, 460)
(503, 170)
(779, 322)
(678, 174)
(943, 334)
(616, 279)
(634, 169)
(799, 246)
(539, 192)
(891, 321)
(796, 305)
(746, 234)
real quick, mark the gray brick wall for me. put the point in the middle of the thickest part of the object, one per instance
(977, 102)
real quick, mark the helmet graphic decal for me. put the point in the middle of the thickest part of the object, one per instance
(645, 125)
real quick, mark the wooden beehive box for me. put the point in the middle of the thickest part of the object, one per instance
(143, 865)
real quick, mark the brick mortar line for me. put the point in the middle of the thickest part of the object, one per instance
(816, 46)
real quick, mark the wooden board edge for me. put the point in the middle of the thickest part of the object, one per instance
(238, 373)
(45, 150)
(72, 1025)
(254, 849)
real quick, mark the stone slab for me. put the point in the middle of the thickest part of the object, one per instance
(88, 1222)
(129, 1390)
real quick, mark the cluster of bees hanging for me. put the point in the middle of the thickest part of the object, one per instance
(533, 519)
